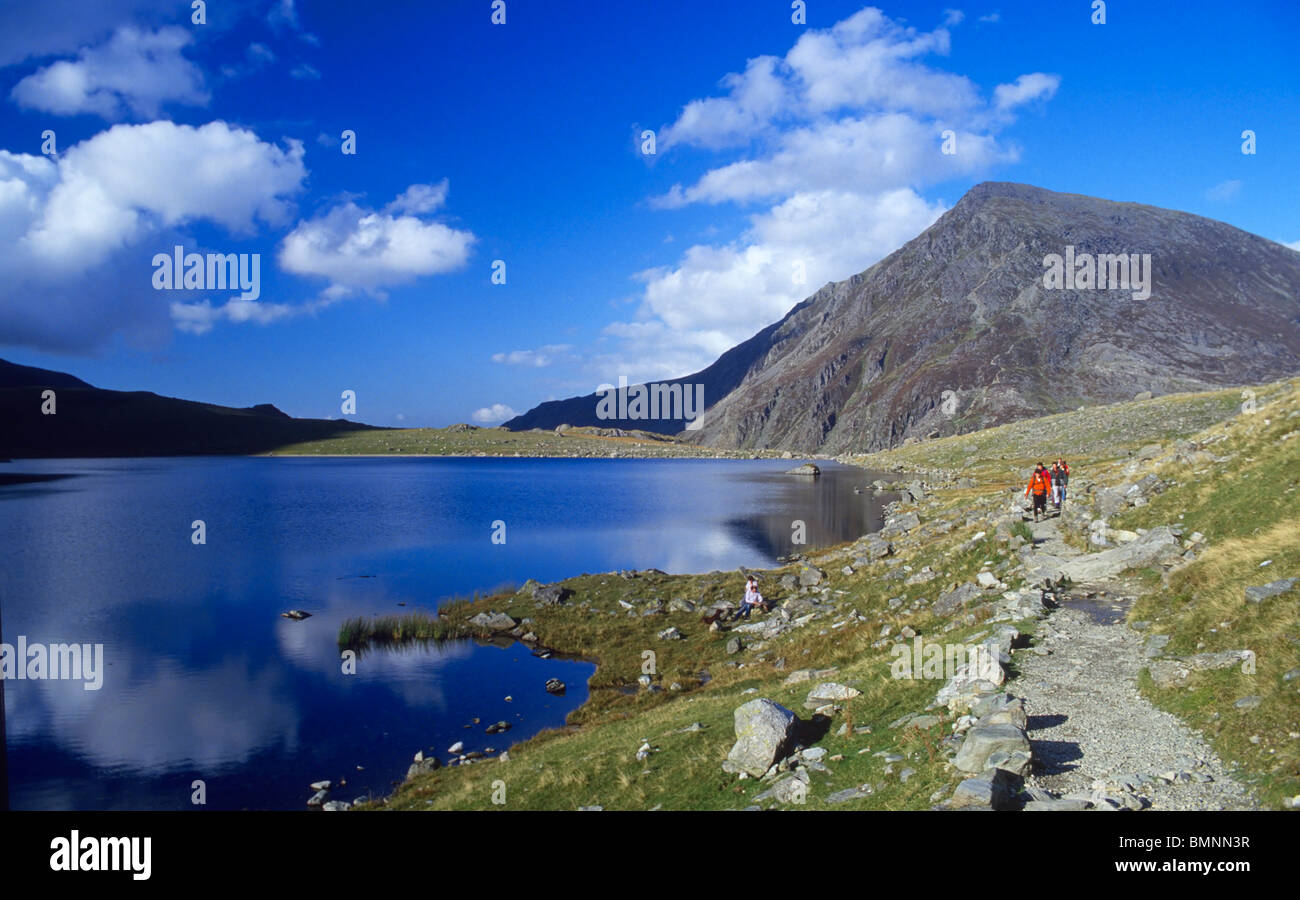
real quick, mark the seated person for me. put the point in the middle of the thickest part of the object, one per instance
(752, 599)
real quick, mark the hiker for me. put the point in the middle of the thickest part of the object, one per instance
(1056, 484)
(751, 599)
(1062, 479)
(1039, 484)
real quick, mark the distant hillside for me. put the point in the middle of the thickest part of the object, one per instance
(90, 422)
(956, 330)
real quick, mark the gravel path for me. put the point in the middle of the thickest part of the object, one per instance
(1089, 727)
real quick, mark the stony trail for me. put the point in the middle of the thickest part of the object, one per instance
(1090, 729)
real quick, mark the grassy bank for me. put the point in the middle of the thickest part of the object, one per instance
(1243, 504)
(468, 440)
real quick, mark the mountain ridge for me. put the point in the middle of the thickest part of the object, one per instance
(956, 331)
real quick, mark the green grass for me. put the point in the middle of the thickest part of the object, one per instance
(1244, 505)
(465, 440)
(360, 632)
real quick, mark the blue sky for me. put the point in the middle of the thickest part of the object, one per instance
(780, 148)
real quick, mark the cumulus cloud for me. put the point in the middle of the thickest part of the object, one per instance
(494, 414)
(1026, 88)
(1294, 245)
(717, 296)
(80, 231)
(134, 73)
(833, 141)
(362, 250)
(539, 358)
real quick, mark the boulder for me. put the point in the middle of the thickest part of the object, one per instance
(1176, 670)
(494, 621)
(901, 523)
(764, 735)
(811, 576)
(984, 741)
(428, 764)
(1158, 546)
(671, 634)
(551, 595)
(807, 469)
(951, 601)
(1272, 589)
(829, 692)
(555, 686)
(994, 789)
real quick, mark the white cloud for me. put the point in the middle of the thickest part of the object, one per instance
(80, 231)
(869, 154)
(135, 72)
(494, 414)
(539, 358)
(834, 139)
(1294, 245)
(201, 316)
(1026, 88)
(1224, 191)
(361, 250)
(991, 17)
(718, 296)
(420, 199)
(305, 72)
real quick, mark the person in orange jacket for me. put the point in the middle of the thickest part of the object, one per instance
(1040, 484)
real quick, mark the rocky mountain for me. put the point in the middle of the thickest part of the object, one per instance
(1006, 307)
(86, 421)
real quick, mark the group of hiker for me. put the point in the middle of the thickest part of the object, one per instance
(1048, 482)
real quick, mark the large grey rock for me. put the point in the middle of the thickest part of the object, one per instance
(807, 469)
(1272, 589)
(1110, 502)
(983, 741)
(902, 523)
(951, 601)
(829, 692)
(764, 735)
(494, 621)
(811, 576)
(551, 595)
(1176, 670)
(1157, 547)
(1058, 805)
(994, 789)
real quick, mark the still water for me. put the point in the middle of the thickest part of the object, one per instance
(203, 680)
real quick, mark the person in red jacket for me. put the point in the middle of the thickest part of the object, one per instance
(1040, 484)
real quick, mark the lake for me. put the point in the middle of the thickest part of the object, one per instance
(202, 679)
